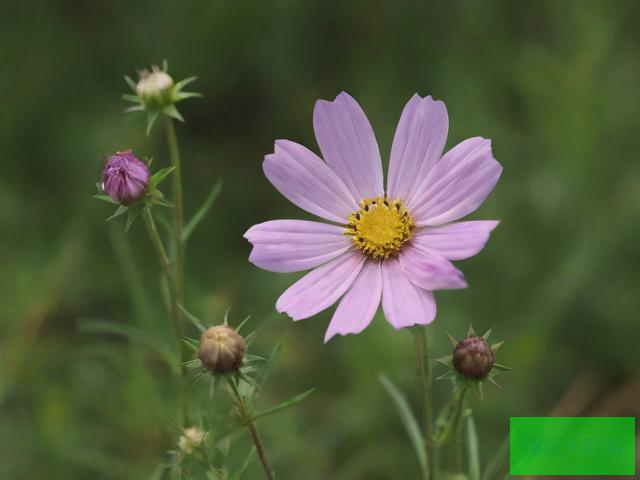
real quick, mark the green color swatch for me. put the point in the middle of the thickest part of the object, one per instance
(572, 446)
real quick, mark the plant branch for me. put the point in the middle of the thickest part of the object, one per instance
(178, 216)
(173, 299)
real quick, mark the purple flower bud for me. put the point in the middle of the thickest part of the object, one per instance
(473, 358)
(125, 178)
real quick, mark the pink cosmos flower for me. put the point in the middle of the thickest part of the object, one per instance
(393, 246)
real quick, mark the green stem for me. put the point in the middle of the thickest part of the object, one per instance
(178, 218)
(452, 445)
(173, 299)
(245, 418)
(421, 343)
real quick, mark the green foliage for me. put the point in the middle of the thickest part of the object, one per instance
(551, 83)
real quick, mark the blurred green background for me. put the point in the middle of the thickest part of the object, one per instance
(553, 84)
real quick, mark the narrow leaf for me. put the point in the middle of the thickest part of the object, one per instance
(282, 405)
(131, 98)
(183, 83)
(151, 119)
(192, 318)
(408, 420)
(159, 176)
(473, 449)
(202, 211)
(121, 209)
(171, 111)
(130, 82)
(132, 333)
(105, 198)
(486, 334)
(498, 462)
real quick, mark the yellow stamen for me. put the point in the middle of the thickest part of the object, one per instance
(380, 227)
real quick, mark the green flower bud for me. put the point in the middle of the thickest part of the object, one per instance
(155, 89)
(221, 349)
(473, 357)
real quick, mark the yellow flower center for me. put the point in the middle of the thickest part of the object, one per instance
(380, 227)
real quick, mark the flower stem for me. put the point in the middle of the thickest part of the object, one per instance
(245, 418)
(451, 447)
(421, 343)
(178, 219)
(173, 299)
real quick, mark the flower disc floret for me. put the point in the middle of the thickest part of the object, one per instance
(381, 227)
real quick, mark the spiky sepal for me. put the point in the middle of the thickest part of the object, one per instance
(156, 94)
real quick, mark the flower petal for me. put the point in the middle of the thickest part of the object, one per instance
(429, 270)
(302, 177)
(295, 245)
(349, 145)
(322, 287)
(455, 241)
(359, 305)
(404, 304)
(417, 146)
(457, 184)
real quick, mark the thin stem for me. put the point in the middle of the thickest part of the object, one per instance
(260, 450)
(173, 298)
(452, 439)
(178, 219)
(422, 352)
(253, 431)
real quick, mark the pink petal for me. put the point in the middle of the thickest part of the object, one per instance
(359, 305)
(429, 270)
(322, 287)
(457, 184)
(403, 303)
(295, 245)
(417, 146)
(302, 177)
(348, 145)
(455, 241)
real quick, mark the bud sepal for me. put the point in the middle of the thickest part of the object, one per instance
(472, 362)
(127, 182)
(156, 93)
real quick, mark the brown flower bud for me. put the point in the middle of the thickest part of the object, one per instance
(221, 349)
(473, 357)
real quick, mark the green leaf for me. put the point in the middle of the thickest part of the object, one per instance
(159, 176)
(131, 333)
(130, 82)
(151, 119)
(105, 198)
(192, 318)
(130, 219)
(486, 334)
(121, 209)
(408, 420)
(171, 111)
(202, 211)
(497, 463)
(183, 83)
(237, 474)
(243, 323)
(473, 449)
(266, 371)
(192, 343)
(283, 405)
(131, 98)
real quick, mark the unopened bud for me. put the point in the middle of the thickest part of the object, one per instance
(473, 357)
(125, 178)
(190, 440)
(155, 89)
(221, 349)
